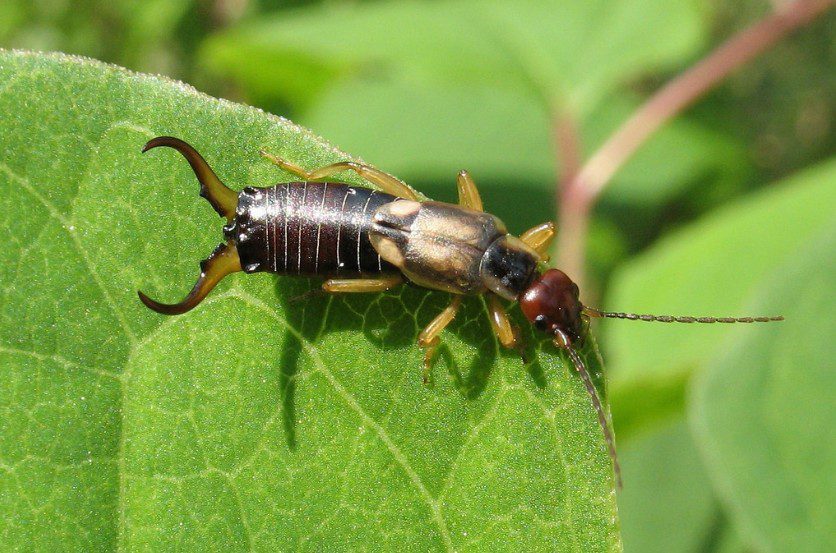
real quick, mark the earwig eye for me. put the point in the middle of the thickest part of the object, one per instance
(540, 323)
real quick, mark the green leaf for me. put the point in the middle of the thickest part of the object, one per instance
(421, 141)
(428, 89)
(514, 142)
(572, 53)
(763, 410)
(253, 422)
(709, 268)
(667, 504)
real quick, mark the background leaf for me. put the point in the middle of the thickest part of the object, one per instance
(762, 411)
(668, 488)
(552, 48)
(710, 267)
(510, 149)
(708, 478)
(415, 87)
(251, 422)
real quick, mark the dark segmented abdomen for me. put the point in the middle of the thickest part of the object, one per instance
(308, 228)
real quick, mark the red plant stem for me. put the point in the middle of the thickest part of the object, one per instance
(568, 146)
(568, 150)
(579, 192)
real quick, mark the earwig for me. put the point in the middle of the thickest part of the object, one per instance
(368, 240)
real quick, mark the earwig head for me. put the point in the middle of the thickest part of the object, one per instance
(224, 260)
(551, 304)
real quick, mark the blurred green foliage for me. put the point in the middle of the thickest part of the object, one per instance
(762, 410)
(425, 89)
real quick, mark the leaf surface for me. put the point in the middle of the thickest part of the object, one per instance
(252, 422)
(710, 268)
(429, 89)
(763, 410)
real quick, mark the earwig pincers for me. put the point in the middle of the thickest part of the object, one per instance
(370, 240)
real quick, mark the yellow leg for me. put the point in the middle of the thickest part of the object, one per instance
(385, 181)
(360, 285)
(284, 164)
(468, 193)
(506, 332)
(539, 238)
(429, 340)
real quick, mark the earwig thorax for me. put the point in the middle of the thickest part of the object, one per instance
(508, 267)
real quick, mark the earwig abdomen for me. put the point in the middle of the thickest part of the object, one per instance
(308, 228)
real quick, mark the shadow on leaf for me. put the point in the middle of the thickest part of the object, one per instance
(392, 321)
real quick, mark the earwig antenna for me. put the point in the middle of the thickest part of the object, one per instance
(592, 312)
(562, 342)
(222, 198)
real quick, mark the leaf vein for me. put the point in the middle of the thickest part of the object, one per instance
(69, 228)
(474, 432)
(352, 402)
(66, 363)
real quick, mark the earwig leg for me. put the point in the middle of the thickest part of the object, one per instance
(222, 198)
(429, 338)
(385, 181)
(285, 165)
(468, 193)
(223, 261)
(539, 239)
(506, 332)
(360, 285)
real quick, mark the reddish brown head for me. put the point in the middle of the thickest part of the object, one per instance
(551, 303)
